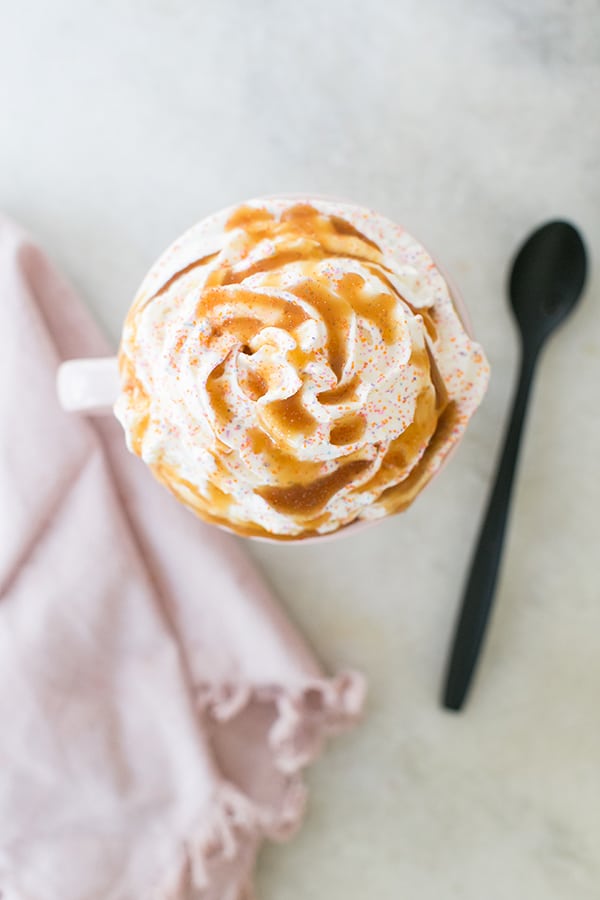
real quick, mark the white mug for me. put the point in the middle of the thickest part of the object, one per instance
(92, 387)
(88, 386)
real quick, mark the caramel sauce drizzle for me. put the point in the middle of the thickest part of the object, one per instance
(306, 500)
(195, 264)
(289, 417)
(287, 469)
(402, 451)
(138, 432)
(379, 309)
(345, 228)
(281, 258)
(241, 328)
(379, 271)
(343, 393)
(253, 384)
(277, 310)
(249, 218)
(302, 234)
(398, 497)
(335, 313)
(348, 430)
(215, 389)
(215, 506)
(139, 400)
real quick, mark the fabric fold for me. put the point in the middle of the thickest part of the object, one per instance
(157, 706)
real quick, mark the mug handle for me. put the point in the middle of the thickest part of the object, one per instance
(88, 385)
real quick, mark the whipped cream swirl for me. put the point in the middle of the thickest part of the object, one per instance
(292, 365)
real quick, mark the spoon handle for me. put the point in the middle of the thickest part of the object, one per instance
(479, 591)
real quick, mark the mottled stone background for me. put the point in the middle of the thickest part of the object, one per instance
(121, 123)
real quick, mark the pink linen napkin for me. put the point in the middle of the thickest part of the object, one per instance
(156, 706)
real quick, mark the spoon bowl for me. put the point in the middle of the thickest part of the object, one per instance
(547, 279)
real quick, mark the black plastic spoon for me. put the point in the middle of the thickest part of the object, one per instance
(546, 282)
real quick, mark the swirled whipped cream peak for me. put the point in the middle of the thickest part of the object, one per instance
(292, 365)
